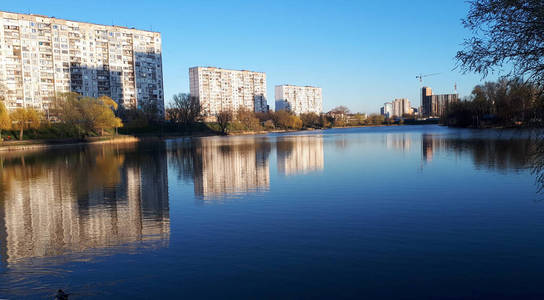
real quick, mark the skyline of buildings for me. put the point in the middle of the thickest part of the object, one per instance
(228, 90)
(397, 108)
(41, 56)
(298, 99)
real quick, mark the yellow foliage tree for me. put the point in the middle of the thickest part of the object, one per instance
(5, 121)
(25, 118)
(87, 113)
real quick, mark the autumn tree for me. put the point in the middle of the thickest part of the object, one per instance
(506, 33)
(247, 118)
(87, 114)
(223, 120)
(5, 121)
(25, 118)
(310, 120)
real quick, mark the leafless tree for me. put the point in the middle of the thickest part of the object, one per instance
(185, 109)
(505, 33)
(223, 120)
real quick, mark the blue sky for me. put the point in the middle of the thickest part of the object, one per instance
(362, 53)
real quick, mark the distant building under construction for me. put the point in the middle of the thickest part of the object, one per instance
(434, 106)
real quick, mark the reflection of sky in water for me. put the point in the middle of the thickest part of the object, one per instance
(301, 214)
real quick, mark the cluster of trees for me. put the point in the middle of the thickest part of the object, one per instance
(78, 116)
(507, 34)
(245, 120)
(85, 115)
(185, 111)
(504, 102)
(20, 119)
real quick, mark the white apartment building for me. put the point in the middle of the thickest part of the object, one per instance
(41, 56)
(228, 90)
(299, 99)
(401, 107)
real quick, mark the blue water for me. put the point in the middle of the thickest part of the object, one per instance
(408, 212)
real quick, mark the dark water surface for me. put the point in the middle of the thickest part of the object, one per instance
(411, 212)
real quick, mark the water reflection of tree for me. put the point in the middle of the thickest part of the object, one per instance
(89, 167)
(538, 164)
(61, 201)
(503, 154)
(488, 153)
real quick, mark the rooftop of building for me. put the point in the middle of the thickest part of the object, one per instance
(292, 85)
(217, 68)
(67, 20)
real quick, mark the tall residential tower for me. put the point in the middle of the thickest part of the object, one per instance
(41, 56)
(228, 90)
(299, 99)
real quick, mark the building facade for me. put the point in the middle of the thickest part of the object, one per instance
(387, 109)
(228, 90)
(299, 99)
(401, 107)
(434, 106)
(41, 56)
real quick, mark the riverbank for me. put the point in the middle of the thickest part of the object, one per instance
(12, 146)
(45, 144)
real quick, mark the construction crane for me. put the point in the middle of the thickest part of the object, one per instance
(420, 76)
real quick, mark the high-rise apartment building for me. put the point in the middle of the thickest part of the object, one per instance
(401, 107)
(387, 109)
(41, 56)
(299, 99)
(228, 90)
(435, 105)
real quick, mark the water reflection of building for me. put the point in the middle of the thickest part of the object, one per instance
(398, 141)
(300, 154)
(221, 167)
(82, 201)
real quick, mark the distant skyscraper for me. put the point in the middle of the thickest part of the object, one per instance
(228, 90)
(434, 106)
(41, 56)
(299, 99)
(387, 109)
(426, 94)
(401, 107)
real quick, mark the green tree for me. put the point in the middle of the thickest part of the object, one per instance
(25, 118)
(5, 120)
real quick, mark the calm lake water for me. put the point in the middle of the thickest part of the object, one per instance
(412, 212)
